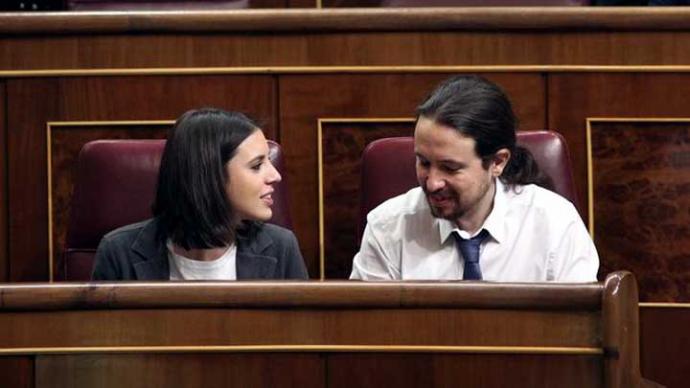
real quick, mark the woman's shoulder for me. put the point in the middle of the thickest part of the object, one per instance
(275, 232)
(128, 232)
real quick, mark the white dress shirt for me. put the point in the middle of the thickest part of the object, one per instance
(535, 236)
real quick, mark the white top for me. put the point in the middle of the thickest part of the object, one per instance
(535, 236)
(183, 268)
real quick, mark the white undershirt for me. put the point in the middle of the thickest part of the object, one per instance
(183, 268)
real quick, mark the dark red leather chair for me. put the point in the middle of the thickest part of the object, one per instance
(388, 167)
(115, 186)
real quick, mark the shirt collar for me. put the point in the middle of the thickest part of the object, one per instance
(493, 223)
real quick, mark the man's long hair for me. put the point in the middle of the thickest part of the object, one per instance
(480, 110)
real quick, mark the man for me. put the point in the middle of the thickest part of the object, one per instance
(478, 213)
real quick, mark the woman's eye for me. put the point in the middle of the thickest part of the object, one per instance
(256, 167)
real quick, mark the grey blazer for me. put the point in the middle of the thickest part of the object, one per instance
(134, 252)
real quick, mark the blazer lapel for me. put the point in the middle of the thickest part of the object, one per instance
(154, 264)
(251, 260)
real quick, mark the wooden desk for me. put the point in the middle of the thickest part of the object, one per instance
(333, 334)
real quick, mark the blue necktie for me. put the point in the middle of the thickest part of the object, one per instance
(470, 253)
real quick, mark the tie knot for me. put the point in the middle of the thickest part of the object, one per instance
(470, 247)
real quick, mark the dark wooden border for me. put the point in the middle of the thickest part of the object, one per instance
(371, 19)
(126, 295)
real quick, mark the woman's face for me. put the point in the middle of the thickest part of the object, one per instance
(251, 176)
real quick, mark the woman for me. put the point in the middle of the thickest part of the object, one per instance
(213, 195)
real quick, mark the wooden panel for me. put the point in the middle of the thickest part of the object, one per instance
(17, 372)
(641, 198)
(471, 370)
(185, 370)
(342, 145)
(305, 99)
(575, 97)
(665, 345)
(4, 260)
(34, 102)
(530, 333)
(206, 327)
(66, 141)
(411, 48)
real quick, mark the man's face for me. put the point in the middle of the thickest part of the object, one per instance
(451, 174)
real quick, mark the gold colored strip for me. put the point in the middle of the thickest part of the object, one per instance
(319, 151)
(109, 123)
(341, 69)
(57, 124)
(309, 348)
(51, 268)
(590, 179)
(319, 147)
(664, 305)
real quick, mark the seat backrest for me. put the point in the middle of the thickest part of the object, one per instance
(388, 167)
(115, 186)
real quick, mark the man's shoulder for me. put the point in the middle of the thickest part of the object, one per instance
(539, 199)
(411, 203)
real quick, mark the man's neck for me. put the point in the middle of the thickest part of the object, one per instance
(472, 220)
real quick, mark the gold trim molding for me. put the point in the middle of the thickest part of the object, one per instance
(278, 70)
(308, 348)
(49, 153)
(665, 305)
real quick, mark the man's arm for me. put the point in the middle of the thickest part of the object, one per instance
(374, 261)
(576, 257)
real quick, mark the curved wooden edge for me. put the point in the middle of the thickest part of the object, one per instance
(621, 331)
(368, 19)
(308, 294)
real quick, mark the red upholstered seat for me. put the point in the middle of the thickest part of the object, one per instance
(115, 186)
(388, 167)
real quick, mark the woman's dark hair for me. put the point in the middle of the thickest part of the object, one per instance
(479, 109)
(191, 204)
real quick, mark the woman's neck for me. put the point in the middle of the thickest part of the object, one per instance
(200, 254)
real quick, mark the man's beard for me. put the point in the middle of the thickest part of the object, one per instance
(437, 212)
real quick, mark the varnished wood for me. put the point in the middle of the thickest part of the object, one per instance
(17, 371)
(94, 100)
(409, 48)
(192, 370)
(128, 295)
(340, 326)
(434, 370)
(434, 19)
(574, 98)
(664, 345)
(4, 259)
(620, 332)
